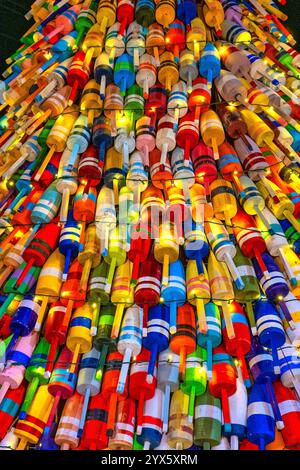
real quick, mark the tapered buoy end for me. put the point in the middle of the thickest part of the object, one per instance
(254, 331)
(173, 330)
(227, 427)
(276, 370)
(93, 331)
(149, 379)
(279, 425)
(247, 383)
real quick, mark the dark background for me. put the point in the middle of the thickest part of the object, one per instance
(13, 24)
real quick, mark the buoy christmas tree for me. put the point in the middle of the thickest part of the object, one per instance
(149, 227)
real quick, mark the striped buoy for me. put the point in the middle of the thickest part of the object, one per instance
(289, 363)
(151, 434)
(167, 380)
(238, 412)
(66, 434)
(157, 338)
(262, 369)
(124, 427)
(94, 436)
(260, 418)
(129, 341)
(47, 206)
(274, 284)
(223, 382)
(289, 406)
(208, 421)
(177, 102)
(235, 33)
(174, 293)
(270, 328)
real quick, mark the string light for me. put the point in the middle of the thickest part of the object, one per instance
(212, 299)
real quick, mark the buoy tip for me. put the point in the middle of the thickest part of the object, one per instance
(149, 379)
(93, 331)
(22, 415)
(227, 427)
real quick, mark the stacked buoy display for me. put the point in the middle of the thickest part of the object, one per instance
(150, 227)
